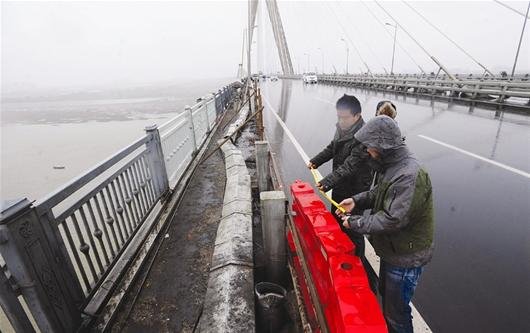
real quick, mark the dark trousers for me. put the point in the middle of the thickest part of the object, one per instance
(396, 286)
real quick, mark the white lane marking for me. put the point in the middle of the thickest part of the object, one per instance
(324, 100)
(295, 142)
(500, 165)
(288, 132)
(419, 323)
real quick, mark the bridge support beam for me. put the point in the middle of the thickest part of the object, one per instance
(262, 165)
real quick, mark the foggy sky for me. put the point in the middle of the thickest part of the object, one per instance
(48, 44)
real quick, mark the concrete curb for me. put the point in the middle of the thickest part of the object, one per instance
(239, 121)
(229, 300)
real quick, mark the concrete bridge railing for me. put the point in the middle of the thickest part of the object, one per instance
(64, 254)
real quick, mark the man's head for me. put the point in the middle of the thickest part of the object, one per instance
(348, 111)
(380, 135)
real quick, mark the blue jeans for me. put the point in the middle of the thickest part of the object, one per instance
(396, 286)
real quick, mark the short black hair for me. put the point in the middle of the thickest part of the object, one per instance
(349, 102)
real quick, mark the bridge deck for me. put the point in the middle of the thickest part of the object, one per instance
(172, 295)
(479, 165)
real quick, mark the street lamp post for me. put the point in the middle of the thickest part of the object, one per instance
(298, 65)
(322, 53)
(347, 53)
(394, 47)
(520, 40)
(308, 62)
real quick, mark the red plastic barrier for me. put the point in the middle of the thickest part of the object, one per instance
(340, 280)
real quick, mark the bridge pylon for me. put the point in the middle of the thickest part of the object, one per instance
(277, 29)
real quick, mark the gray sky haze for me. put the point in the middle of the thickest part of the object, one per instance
(58, 44)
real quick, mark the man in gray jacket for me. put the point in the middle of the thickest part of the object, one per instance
(401, 223)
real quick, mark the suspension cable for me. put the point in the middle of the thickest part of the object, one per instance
(436, 61)
(512, 9)
(349, 39)
(390, 35)
(447, 37)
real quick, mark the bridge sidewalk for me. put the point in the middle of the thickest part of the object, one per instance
(171, 298)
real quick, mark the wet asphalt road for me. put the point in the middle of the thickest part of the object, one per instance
(479, 278)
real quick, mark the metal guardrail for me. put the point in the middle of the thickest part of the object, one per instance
(180, 135)
(59, 250)
(490, 91)
(432, 76)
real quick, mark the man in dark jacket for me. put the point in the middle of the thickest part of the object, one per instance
(401, 223)
(351, 173)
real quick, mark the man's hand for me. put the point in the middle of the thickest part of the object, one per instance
(311, 165)
(322, 187)
(353, 222)
(347, 204)
(345, 222)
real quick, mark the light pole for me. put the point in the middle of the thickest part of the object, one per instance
(322, 53)
(298, 65)
(347, 53)
(308, 62)
(247, 33)
(520, 40)
(394, 47)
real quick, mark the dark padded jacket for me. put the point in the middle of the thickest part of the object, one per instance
(351, 173)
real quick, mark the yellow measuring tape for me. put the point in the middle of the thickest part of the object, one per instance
(318, 177)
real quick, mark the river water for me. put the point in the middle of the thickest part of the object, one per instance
(478, 279)
(78, 129)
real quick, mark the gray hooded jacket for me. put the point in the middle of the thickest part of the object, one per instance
(401, 223)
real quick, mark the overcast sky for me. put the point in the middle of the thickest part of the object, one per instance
(125, 43)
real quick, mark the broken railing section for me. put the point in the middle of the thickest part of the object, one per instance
(60, 253)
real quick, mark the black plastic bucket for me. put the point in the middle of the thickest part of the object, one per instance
(271, 306)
